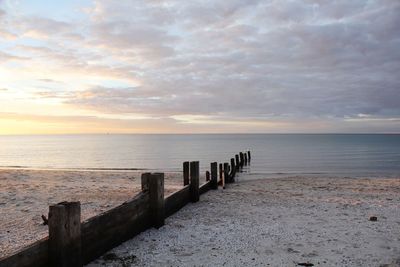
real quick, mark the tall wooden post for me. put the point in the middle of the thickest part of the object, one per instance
(65, 234)
(207, 176)
(156, 196)
(223, 181)
(249, 156)
(245, 159)
(241, 159)
(194, 181)
(214, 175)
(220, 172)
(237, 162)
(145, 181)
(226, 172)
(186, 173)
(233, 169)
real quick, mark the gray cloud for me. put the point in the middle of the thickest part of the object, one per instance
(263, 60)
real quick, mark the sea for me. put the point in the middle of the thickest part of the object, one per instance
(272, 155)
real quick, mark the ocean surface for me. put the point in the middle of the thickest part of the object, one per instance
(272, 154)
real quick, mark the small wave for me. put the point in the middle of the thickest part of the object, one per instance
(13, 167)
(110, 169)
(71, 169)
(89, 169)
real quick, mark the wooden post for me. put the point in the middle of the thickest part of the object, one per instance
(186, 173)
(207, 176)
(237, 162)
(241, 159)
(245, 159)
(249, 156)
(145, 181)
(156, 197)
(194, 181)
(65, 234)
(223, 181)
(220, 172)
(226, 172)
(233, 169)
(214, 175)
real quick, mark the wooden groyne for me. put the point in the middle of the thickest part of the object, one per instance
(74, 243)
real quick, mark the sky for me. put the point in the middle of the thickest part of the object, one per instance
(238, 66)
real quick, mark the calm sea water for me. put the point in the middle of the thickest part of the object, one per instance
(272, 154)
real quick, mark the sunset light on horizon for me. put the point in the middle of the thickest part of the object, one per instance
(170, 66)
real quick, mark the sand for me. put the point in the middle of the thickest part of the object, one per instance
(266, 222)
(276, 222)
(26, 194)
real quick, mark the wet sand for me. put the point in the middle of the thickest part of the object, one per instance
(276, 222)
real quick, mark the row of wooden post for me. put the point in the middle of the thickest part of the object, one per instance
(65, 217)
(227, 172)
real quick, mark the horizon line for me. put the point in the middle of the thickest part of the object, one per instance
(211, 133)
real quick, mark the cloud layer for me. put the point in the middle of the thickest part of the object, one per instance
(336, 62)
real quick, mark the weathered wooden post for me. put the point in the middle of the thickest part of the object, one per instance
(65, 234)
(186, 173)
(245, 159)
(220, 172)
(207, 176)
(145, 181)
(249, 156)
(156, 192)
(154, 184)
(233, 169)
(214, 175)
(241, 159)
(237, 162)
(226, 172)
(194, 181)
(223, 182)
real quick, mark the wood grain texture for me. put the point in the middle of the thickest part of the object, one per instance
(186, 171)
(194, 181)
(176, 201)
(34, 255)
(109, 229)
(65, 234)
(204, 187)
(214, 175)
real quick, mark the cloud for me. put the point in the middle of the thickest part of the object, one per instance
(8, 57)
(48, 80)
(228, 60)
(44, 28)
(7, 35)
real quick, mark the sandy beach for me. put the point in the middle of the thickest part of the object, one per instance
(26, 194)
(324, 221)
(276, 222)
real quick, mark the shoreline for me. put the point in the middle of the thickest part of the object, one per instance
(250, 175)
